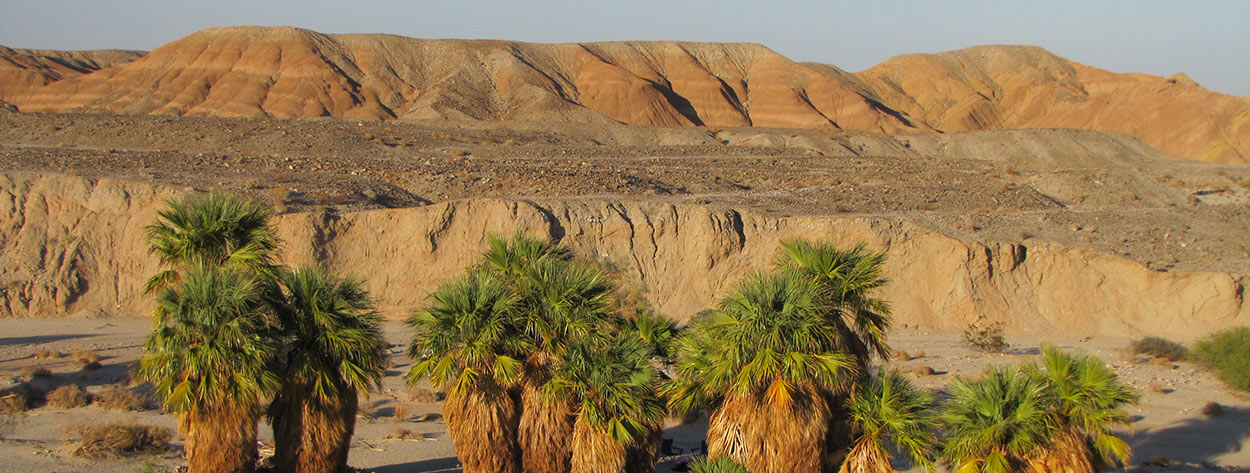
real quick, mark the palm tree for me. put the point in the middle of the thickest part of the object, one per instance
(334, 350)
(208, 360)
(997, 422)
(559, 300)
(767, 358)
(613, 389)
(888, 407)
(1085, 398)
(466, 344)
(847, 279)
(217, 229)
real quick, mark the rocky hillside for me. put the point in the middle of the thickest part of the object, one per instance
(295, 73)
(70, 245)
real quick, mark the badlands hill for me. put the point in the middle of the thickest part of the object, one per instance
(288, 72)
(24, 69)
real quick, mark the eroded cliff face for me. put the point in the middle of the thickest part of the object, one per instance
(74, 246)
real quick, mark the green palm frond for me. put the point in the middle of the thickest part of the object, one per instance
(611, 384)
(470, 328)
(995, 421)
(847, 279)
(887, 407)
(769, 337)
(1087, 398)
(213, 341)
(217, 229)
(562, 301)
(333, 332)
(658, 331)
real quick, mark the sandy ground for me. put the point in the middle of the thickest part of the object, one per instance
(1168, 420)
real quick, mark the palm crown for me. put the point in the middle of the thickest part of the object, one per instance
(212, 343)
(996, 421)
(770, 337)
(846, 279)
(466, 332)
(332, 330)
(1086, 398)
(612, 385)
(214, 230)
(888, 407)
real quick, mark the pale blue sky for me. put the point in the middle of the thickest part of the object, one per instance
(1208, 39)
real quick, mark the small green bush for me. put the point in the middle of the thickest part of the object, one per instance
(717, 465)
(1159, 347)
(986, 336)
(1228, 353)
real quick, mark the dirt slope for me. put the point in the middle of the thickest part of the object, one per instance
(296, 73)
(1007, 87)
(72, 245)
(22, 70)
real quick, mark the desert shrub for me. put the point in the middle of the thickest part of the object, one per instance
(118, 398)
(986, 336)
(1159, 347)
(31, 393)
(12, 403)
(91, 366)
(401, 412)
(717, 465)
(1212, 409)
(122, 440)
(33, 372)
(68, 397)
(424, 395)
(1228, 353)
(86, 356)
(45, 353)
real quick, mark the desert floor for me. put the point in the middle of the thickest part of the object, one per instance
(1169, 422)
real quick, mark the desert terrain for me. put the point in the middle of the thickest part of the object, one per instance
(1079, 207)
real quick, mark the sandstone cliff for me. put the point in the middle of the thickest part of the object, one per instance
(70, 245)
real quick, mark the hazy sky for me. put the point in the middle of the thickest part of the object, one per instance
(1208, 39)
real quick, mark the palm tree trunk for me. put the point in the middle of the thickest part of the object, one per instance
(482, 425)
(1068, 453)
(642, 454)
(596, 452)
(313, 436)
(221, 439)
(546, 428)
(867, 457)
(768, 438)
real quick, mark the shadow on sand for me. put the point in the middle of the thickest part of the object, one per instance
(440, 465)
(1196, 440)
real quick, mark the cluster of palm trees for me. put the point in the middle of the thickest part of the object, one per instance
(546, 371)
(233, 328)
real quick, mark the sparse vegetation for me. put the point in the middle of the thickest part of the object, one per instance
(120, 398)
(45, 353)
(86, 356)
(400, 413)
(35, 372)
(1228, 353)
(1159, 347)
(12, 403)
(68, 396)
(986, 336)
(123, 440)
